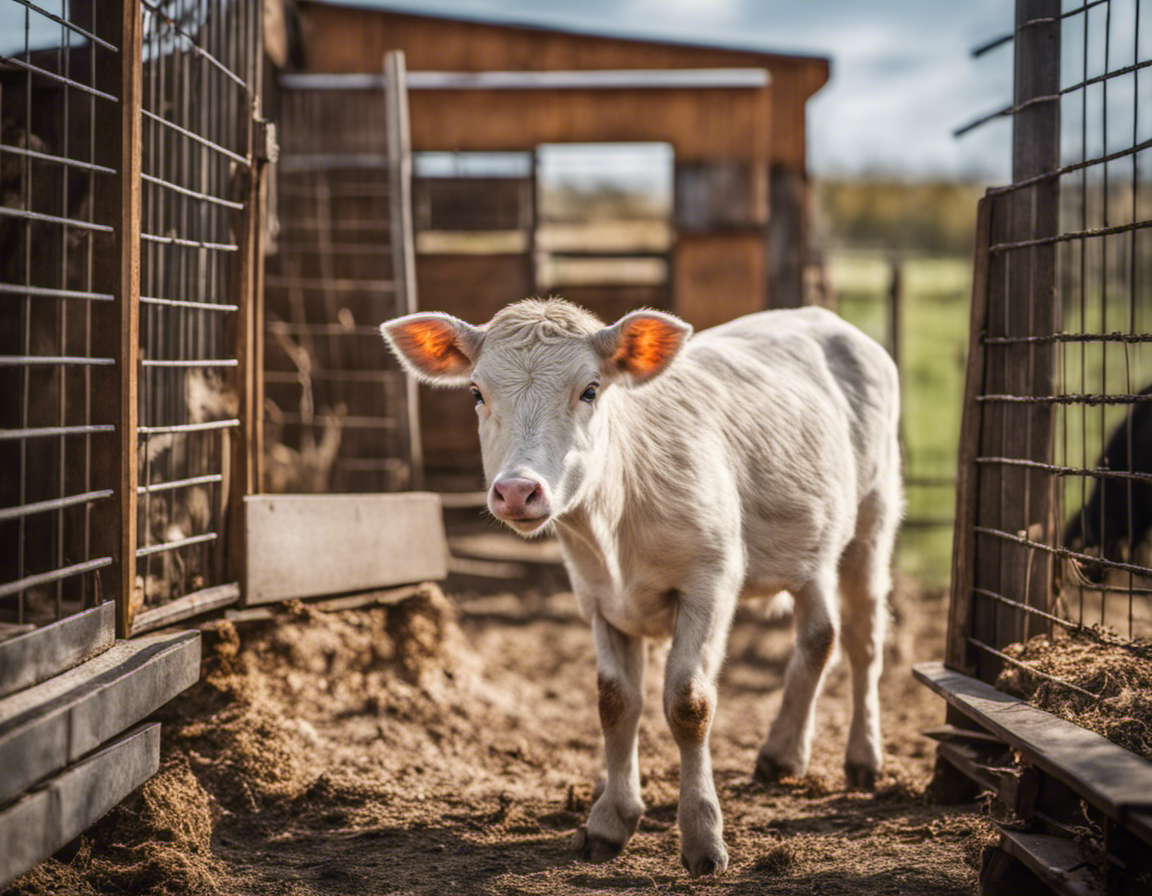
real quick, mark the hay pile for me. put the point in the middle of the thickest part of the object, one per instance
(1120, 676)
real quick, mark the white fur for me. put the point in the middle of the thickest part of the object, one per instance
(761, 457)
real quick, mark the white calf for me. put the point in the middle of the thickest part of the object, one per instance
(755, 457)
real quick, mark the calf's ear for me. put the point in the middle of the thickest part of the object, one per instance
(640, 345)
(435, 348)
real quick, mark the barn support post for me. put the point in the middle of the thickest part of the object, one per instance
(401, 236)
(787, 237)
(1031, 309)
(246, 441)
(116, 325)
(961, 605)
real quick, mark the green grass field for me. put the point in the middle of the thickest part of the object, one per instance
(934, 345)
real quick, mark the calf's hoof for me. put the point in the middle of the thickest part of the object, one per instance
(592, 848)
(769, 771)
(860, 777)
(708, 861)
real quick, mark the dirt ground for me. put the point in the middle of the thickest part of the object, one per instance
(428, 750)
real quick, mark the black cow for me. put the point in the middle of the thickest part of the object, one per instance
(1115, 503)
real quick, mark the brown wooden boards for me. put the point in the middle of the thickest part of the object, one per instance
(1107, 776)
(306, 545)
(51, 649)
(1057, 861)
(41, 822)
(46, 727)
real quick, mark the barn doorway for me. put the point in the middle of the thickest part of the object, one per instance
(604, 228)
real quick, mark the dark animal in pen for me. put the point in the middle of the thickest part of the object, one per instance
(1117, 516)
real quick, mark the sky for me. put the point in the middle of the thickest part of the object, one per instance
(902, 74)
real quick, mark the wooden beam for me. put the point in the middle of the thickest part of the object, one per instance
(116, 325)
(204, 601)
(1032, 308)
(402, 239)
(581, 79)
(46, 727)
(309, 545)
(960, 611)
(1107, 776)
(43, 821)
(36, 656)
(1059, 862)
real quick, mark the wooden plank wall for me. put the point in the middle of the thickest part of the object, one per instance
(341, 39)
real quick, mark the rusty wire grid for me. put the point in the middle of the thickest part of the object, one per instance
(49, 106)
(339, 413)
(199, 64)
(1060, 501)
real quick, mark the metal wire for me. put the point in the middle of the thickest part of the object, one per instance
(197, 104)
(1032, 670)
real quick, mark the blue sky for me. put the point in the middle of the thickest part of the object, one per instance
(902, 73)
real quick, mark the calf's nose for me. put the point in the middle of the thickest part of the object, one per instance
(517, 497)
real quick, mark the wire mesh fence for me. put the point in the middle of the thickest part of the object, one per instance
(127, 202)
(340, 415)
(199, 67)
(1055, 510)
(49, 165)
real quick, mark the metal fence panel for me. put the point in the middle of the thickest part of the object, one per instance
(128, 209)
(1055, 505)
(341, 415)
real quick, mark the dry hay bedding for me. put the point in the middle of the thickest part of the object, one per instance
(409, 750)
(1120, 675)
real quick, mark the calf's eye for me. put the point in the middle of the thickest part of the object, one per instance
(476, 394)
(589, 395)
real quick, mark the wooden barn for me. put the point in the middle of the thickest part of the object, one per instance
(735, 238)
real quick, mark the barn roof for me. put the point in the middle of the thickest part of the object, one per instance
(554, 18)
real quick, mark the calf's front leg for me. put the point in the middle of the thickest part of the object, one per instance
(698, 647)
(620, 683)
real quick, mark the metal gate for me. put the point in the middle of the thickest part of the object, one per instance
(129, 220)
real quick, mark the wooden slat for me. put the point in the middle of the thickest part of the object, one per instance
(401, 237)
(46, 727)
(1058, 862)
(43, 821)
(116, 324)
(952, 732)
(967, 470)
(34, 657)
(309, 545)
(1107, 776)
(203, 601)
(246, 225)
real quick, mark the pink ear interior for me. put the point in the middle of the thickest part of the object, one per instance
(430, 345)
(647, 345)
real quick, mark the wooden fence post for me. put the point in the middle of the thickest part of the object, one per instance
(247, 441)
(960, 605)
(401, 234)
(116, 325)
(1032, 309)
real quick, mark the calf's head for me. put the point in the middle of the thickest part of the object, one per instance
(539, 372)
